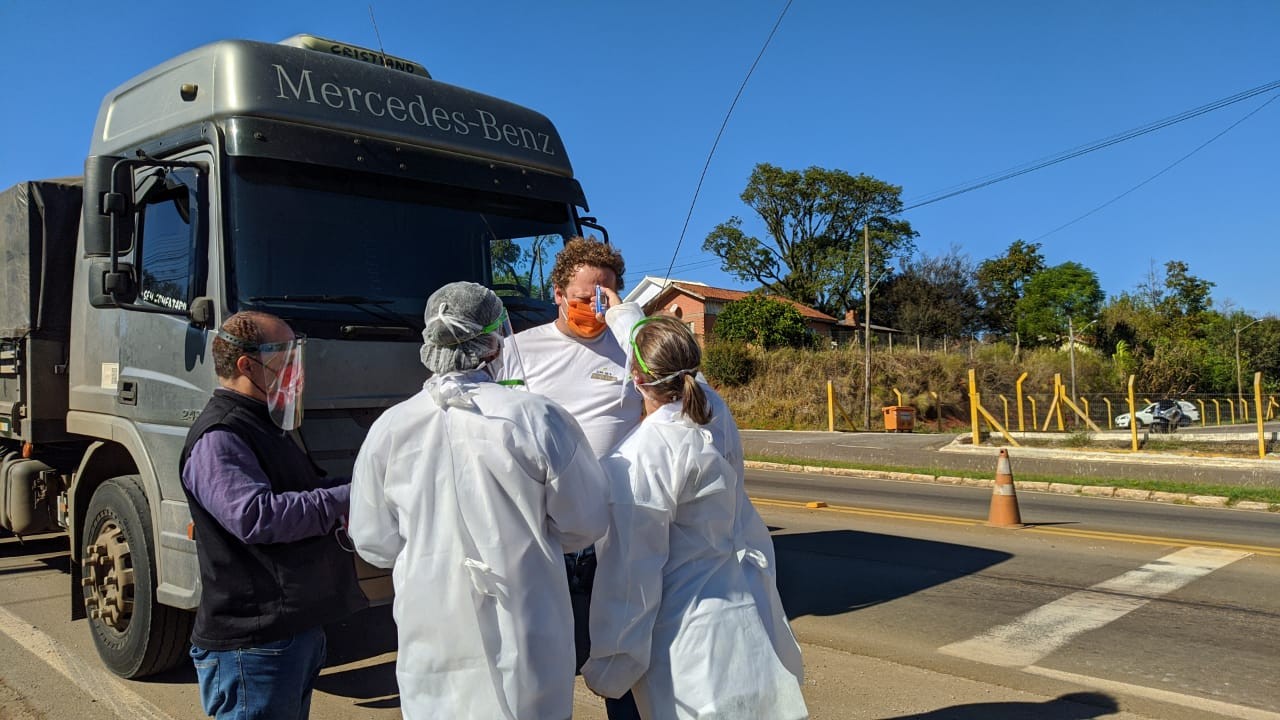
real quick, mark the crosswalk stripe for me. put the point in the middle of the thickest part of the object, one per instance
(1040, 632)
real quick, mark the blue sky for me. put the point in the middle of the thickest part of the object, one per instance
(926, 94)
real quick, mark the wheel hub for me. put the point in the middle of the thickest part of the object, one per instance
(107, 577)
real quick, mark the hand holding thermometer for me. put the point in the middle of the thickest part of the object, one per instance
(600, 308)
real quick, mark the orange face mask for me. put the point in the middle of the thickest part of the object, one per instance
(581, 317)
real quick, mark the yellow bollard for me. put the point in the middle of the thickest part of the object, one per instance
(1217, 412)
(1257, 397)
(1034, 422)
(1085, 401)
(1005, 400)
(1022, 377)
(1204, 417)
(974, 399)
(1059, 390)
(1244, 410)
(895, 392)
(1232, 404)
(1107, 400)
(831, 407)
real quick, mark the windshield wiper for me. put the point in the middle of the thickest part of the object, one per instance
(358, 302)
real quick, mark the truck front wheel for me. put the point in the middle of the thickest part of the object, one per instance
(135, 635)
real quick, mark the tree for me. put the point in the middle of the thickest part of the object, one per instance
(763, 321)
(814, 219)
(934, 296)
(1001, 281)
(1055, 294)
(1186, 295)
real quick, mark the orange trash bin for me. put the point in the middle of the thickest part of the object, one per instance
(899, 418)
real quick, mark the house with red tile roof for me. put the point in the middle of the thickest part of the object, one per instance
(698, 304)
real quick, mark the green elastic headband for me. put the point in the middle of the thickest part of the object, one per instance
(493, 326)
(636, 350)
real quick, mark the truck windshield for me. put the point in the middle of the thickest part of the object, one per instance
(327, 248)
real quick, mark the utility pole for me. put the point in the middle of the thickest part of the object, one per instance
(1071, 350)
(866, 325)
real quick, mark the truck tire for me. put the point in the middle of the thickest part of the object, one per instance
(135, 636)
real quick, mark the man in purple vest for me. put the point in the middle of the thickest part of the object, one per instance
(272, 572)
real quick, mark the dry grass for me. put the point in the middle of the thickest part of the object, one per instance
(788, 389)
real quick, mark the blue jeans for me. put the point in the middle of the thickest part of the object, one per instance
(272, 681)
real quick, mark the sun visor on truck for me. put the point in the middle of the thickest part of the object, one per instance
(39, 220)
(293, 142)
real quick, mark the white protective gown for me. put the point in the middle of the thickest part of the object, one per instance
(685, 610)
(472, 492)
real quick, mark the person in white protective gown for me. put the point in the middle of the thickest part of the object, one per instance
(471, 492)
(685, 611)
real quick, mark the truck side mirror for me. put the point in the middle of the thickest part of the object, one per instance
(99, 204)
(590, 222)
(202, 312)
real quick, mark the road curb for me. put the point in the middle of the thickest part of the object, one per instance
(1106, 491)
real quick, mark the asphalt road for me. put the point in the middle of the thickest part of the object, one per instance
(1047, 613)
(1041, 510)
(925, 451)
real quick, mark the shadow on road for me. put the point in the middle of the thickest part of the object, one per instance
(1072, 706)
(833, 572)
(50, 551)
(35, 545)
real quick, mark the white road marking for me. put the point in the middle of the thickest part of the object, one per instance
(861, 447)
(1040, 632)
(110, 691)
(1191, 701)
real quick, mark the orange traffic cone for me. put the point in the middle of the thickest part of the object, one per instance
(1004, 499)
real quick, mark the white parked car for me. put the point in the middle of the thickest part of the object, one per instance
(1186, 413)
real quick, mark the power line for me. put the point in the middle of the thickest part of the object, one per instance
(1169, 167)
(689, 265)
(1096, 145)
(723, 125)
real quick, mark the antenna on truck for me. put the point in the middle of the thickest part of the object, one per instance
(377, 35)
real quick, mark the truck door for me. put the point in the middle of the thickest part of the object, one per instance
(166, 373)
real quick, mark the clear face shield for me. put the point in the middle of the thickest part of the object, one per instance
(282, 366)
(507, 368)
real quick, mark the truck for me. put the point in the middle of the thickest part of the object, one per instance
(331, 185)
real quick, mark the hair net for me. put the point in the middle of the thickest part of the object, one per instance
(462, 328)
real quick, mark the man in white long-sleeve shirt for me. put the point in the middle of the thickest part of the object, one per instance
(579, 362)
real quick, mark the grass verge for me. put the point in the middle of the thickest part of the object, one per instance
(1233, 493)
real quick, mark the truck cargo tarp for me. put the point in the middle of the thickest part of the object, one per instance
(38, 224)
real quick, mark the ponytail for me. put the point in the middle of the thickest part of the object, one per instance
(696, 406)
